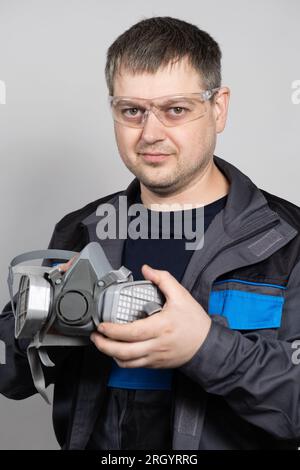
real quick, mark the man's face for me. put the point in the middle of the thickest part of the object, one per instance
(167, 159)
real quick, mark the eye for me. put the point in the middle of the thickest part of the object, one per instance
(177, 110)
(131, 112)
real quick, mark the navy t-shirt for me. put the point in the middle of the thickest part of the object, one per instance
(166, 254)
(138, 408)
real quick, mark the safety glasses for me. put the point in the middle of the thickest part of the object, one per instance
(171, 110)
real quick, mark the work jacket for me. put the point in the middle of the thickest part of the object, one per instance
(241, 389)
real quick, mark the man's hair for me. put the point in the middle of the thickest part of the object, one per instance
(160, 41)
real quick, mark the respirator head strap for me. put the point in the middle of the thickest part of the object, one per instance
(37, 355)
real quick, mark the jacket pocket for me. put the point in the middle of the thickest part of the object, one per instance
(247, 305)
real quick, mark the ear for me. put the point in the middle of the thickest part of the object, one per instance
(220, 108)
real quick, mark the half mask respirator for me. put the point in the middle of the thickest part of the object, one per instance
(55, 308)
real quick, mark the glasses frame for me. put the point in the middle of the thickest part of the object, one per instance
(205, 95)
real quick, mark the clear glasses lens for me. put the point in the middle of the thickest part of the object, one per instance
(171, 111)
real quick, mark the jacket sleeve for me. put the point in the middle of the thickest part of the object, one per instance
(258, 376)
(15, 375)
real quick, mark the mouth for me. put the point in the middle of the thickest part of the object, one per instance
(155, 157)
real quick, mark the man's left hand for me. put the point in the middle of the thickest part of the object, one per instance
(167, 339)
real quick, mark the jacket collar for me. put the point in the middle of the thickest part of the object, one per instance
(246, 205)
(246, 212)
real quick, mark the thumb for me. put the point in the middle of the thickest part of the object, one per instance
(163, 280)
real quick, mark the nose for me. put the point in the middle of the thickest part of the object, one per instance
(153, 130)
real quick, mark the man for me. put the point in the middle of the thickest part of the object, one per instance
(214, 369)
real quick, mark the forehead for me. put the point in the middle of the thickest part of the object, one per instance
(179, 77)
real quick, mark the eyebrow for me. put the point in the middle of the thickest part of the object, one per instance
(128, 100)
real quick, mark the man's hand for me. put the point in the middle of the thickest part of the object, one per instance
(167, 339)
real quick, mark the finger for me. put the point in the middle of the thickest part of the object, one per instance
(163, 279)
(139, 330)
(141, 362)
(65, 266)
(120, 350)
